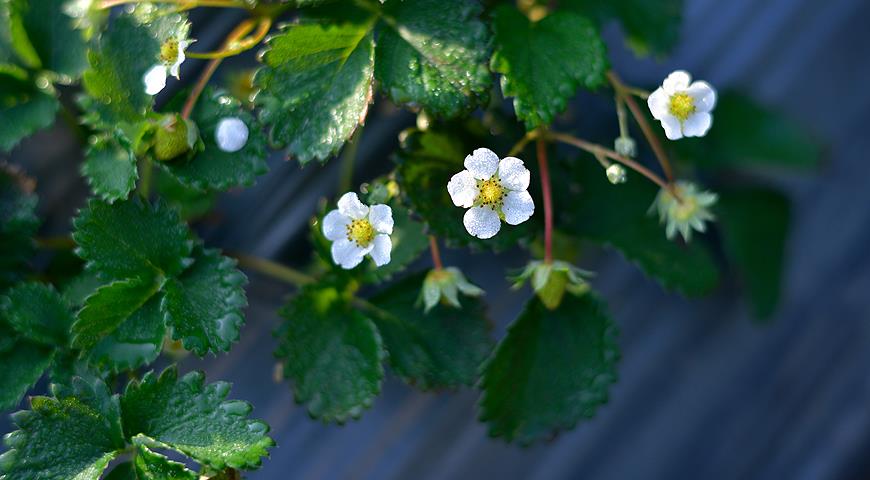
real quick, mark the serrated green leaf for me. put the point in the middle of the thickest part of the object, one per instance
(24, 109)
(132, 238)
(63, 438)
(127, 50)
(618, 216)
(543, 63)
(110, 170)
(122, 471)
(109, 307)
(755, 224)
(203, 306)
(651, 26)
(21, 365)
(153, 466)
(18, 223)
(426, 162)
(8, 336)
(443, 348)
(195, 419)
(552, 370)
(60, 48)
(432, 54)
(748, 135)
(136, 342)
(409, 240)
(37, 312)
(80, 287)
(316, 86)
(190, 202)
(213, 168)
(332, 353)
(13, 36)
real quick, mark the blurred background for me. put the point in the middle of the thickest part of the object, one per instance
(704, 391)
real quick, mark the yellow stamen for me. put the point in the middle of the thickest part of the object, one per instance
(682, 106)
(491, 192)
(169, 51)
(360, 232)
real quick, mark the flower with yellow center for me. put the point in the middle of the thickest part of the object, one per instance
(169, 63)
(492, 190)
(683, 107)
(357, 230)
(685, 213)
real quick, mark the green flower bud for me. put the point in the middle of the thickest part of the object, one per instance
(550, 281)
(625, 146)
(444, 286)
(174, 137)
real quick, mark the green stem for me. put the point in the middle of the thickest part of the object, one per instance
(548, 199)
(521, 144)
(186, 4)
(273, 269)
(146, 173)
(348, 158)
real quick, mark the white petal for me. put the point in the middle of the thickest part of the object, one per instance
(231, 134)
(704, 96)
(517, 207)
(335, 225)
(677, 81)
(381, 218)
(381, 247)
(482, 163)
(513, 174)
(155, 79)
(672, 127)
(347, 254)
(658, 103)
(481, 222)
(463, 189)
(350, 206)
(697, 125)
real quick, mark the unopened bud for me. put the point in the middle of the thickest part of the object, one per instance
(625, 146)
(616, 174)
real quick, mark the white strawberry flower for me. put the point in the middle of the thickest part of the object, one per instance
(357, 230)
(683, 107)
(492, 190)
(231, 134)
(169, 63)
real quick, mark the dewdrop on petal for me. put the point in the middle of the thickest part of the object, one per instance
(689, 212)
(493, 191)
(231, 134)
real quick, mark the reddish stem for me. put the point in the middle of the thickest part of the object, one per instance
(436, 254)
(548, 200)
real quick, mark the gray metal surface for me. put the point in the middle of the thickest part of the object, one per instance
(703, 391)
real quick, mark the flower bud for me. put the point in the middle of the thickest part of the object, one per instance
(174, 137)
(550, 281)
(616, 174)
(444, 285)
(625, 146)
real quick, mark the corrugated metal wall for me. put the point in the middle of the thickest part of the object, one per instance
(703, 392)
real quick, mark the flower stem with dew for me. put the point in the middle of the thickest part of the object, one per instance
(625, 93)
(239, 46)
(436, 253)
(548, 199)
(597, 150)
(186, 4)
(240, 31)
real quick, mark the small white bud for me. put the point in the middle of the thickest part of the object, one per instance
(231, 134)
(616, 174)
(625, 146)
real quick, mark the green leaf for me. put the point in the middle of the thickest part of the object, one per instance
(651, 26)
(80, 287)
(213, 168)
(190, 202)
(69, 437)
(748, 135)
(443, 348)
(132, 238)
(543, 63)
(203, 306)
(433, 54)
(332, 353)
(38, 312)
(618, 216)
(426, 162)
(195, 419)
(21, 365)
(110, 170)
(14, 40)
(552, 369)
(755, 224)
(109, 307)
(136, 342)
(316, 86)
(18, 223)
(127, 50)
(60, 48)
(24, 109)
(153, 466)
(409, 240)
